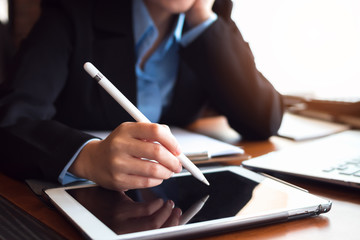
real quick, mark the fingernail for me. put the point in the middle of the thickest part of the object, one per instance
(179, 168)
(171, 203)
(177, 151)
(178, 212)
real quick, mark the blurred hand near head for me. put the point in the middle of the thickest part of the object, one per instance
(200, 11)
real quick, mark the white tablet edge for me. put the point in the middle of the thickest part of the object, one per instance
(95, 229)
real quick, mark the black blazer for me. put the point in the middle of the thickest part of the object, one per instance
(7, 50)
(50, 97)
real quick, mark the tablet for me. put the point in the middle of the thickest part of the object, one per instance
(183, 207)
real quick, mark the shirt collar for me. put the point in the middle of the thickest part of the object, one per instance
(141, 19)
(179, 26)
(143, 22)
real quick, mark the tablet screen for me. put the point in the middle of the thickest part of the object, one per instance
(139, 210)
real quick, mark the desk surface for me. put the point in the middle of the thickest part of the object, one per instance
(342, 221)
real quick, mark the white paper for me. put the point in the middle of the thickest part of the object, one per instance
(193, 143)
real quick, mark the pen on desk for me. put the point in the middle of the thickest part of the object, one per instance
(137, 115)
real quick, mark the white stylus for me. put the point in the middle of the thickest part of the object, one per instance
(137, 115)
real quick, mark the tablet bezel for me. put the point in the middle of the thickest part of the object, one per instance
(95, 229)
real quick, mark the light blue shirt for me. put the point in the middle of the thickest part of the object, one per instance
(156, 80)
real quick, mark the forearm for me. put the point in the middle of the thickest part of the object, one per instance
(232, 83)
(38, 149)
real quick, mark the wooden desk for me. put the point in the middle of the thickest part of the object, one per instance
(343, 221)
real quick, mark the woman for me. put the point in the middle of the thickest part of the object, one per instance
(171, 58)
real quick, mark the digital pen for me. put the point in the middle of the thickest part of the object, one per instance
(137, 115)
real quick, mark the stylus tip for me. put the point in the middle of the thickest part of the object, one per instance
(206, 182)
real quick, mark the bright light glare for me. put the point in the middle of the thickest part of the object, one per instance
(4, 15)
(308, 46)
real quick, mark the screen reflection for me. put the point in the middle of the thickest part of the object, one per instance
(180, 200)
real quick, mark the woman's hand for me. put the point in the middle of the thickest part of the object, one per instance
(199, 12)
(121, 161)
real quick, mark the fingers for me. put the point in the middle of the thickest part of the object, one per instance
(146, 168)
(174, 218)
(117, 162)
(142, 209)
(154, 151)
(123, 181)
(152, 132)
(130, 173)
(199, 12)
(164, 216)
(153, 141)
(148, 216)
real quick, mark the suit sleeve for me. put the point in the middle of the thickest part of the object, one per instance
(231, 81)
(31, 144)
